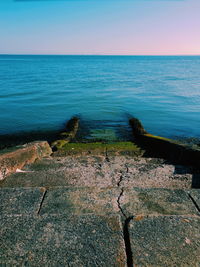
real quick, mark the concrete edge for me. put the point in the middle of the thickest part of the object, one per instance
(17, 157)
(165, 147)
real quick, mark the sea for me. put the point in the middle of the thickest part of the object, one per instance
(40, 93)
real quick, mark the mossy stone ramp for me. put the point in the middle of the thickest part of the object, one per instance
(67, 135)
(118, 148)
(163, 147)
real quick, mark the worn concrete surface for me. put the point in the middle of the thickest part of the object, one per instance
(101, 201)
(81, 227)
(195, 196)
(62, 241)
(81, 200)
(161, 201)
(100, 210)
(18, 201)
(14, 158)
(101, 171)
(165, 241)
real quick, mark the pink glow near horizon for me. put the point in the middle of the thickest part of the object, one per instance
(106, 28)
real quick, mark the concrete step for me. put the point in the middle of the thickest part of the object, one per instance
(73, 226)
(100, 171)
(100, 201)
(164, 241)
(65, 240)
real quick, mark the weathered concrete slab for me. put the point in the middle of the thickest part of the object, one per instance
(16, 201)
(81, 171)
(195, 194)
(156, 173)
(136, 201)
(62, 241)
(165, 241)
(101, 171)
(72, 200)
(15, 158)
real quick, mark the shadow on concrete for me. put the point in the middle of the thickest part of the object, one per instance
(173, 152)
(185, 159)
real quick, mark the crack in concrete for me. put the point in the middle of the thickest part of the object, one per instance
(127, 169)
(120, 180)
(43, 197)
(126, 234)
(122, 190)
(121, 193)
(119, 204)
(125, 223)
(106, 155)
(194, 202)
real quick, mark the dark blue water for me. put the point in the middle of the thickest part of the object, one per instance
(39, 93)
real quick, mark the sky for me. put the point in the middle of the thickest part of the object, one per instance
(100, 27)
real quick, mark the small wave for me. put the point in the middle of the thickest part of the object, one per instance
(174, 78)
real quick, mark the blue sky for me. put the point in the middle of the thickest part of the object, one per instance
(100, 27)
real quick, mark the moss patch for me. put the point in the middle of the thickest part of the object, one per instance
(99, 148)
(158, 137)
(58, 144)
(152, 205)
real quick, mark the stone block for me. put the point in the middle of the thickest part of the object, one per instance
(62, 241)
(156, 201)
(165, 241)
(16, 201)
(73, 200)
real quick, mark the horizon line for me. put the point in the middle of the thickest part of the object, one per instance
(39, 54)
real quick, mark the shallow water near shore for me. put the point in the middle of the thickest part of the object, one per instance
(38, 94)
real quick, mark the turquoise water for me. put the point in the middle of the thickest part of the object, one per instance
(39, 93)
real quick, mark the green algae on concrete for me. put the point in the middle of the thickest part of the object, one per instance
(170, 149)
(58, 144)
(144, 201)
(63, 240)
(70, 133)
(81, 200)
(165, 241)
(164, 147)
(101, 201)
(118, 148)
(158, 137)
